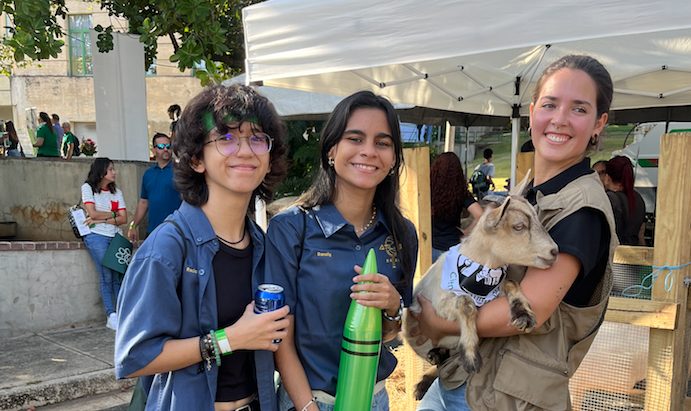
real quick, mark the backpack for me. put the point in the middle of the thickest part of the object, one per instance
(479, 181)
(76, 152)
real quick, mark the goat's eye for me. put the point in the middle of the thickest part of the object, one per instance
(519, 227)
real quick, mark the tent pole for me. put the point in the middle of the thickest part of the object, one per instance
(467, 150)
(515, 129)
(449, 137)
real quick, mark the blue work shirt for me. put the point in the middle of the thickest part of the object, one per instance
(163, 299)
(158, 189)
(319, 294)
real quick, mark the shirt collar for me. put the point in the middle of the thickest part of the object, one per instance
(330, 219)
(201, 228)
(556, 183)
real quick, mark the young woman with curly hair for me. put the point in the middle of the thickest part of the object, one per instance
(197, 271)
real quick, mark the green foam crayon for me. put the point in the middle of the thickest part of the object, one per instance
(357, 370)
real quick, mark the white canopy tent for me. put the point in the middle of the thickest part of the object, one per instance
(468, 56)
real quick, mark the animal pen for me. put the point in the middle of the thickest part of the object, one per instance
(640, 357)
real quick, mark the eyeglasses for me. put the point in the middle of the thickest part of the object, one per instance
(229, 143)
(162, 146)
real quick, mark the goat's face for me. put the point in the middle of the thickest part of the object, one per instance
(513, 235)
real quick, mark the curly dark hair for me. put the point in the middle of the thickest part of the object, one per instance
(98, 170)
(448, 187)
(242, 103)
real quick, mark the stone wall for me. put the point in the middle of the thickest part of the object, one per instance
(47, 285)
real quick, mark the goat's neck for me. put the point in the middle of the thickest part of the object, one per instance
(477, 247)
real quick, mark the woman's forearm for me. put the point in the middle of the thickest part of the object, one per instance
(176, 354)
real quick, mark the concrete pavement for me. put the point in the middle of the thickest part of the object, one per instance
(60, 366)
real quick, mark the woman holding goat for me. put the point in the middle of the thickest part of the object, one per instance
(531, 371)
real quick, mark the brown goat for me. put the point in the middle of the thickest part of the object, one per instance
(509, 234)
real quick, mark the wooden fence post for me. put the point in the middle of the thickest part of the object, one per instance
(415, 204)
(668, 351)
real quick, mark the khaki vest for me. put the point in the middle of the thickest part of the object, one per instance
(532, 371)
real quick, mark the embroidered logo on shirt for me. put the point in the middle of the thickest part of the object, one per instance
(324, 254)
(389, 246)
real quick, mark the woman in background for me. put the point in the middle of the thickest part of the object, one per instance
(450, 198)
(12, 150)
(46, 139)
(106, 211)
(627, 204)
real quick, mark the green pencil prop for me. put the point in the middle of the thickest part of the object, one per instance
(357, 371)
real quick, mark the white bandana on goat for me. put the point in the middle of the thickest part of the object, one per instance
(463, 276)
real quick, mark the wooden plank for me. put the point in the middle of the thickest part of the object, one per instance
(524, 163)
(651, 314)
(633, 255)
(667, 354)
(415, 205)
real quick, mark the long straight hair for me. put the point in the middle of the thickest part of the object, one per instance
(98, 170)
(322, 189)
(620, 170)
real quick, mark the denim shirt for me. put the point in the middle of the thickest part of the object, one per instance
(311, 255)
(160, 300)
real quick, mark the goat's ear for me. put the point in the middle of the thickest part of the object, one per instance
(495, 216)
(518, 189)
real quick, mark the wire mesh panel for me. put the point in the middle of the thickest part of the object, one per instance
(631, 281)
(612, 375)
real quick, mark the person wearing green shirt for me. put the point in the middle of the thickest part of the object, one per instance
(70, 144)
(46, 140)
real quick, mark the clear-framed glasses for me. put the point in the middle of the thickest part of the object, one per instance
(229, 143)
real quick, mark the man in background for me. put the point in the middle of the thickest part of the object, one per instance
(59, 132)
(481, 180)
(158, 196)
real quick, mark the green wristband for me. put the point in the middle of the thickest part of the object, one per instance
(223, 343)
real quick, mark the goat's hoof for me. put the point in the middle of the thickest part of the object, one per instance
(522, 318)
(423, 386)
(437, 355)
(471, 363)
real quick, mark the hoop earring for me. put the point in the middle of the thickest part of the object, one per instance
(530, 135)
(392, 171)
(593, 139)
(331, 162)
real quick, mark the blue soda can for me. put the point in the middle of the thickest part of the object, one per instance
(269, 297)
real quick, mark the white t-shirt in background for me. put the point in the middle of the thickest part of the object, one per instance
(104, 201)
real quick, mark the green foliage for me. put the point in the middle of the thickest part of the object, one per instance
(303, 157)
(201, 31)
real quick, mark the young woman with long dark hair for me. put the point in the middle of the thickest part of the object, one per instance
(314, 248)
(106, 211)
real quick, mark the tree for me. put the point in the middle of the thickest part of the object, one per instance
(208, 32)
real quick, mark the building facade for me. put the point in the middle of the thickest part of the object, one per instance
(64, 85)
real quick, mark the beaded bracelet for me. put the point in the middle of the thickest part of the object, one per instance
(204, 349)
(216, 349)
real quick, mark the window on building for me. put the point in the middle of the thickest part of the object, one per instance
(81, 63)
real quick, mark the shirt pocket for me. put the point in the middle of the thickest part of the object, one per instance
(521, 383)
